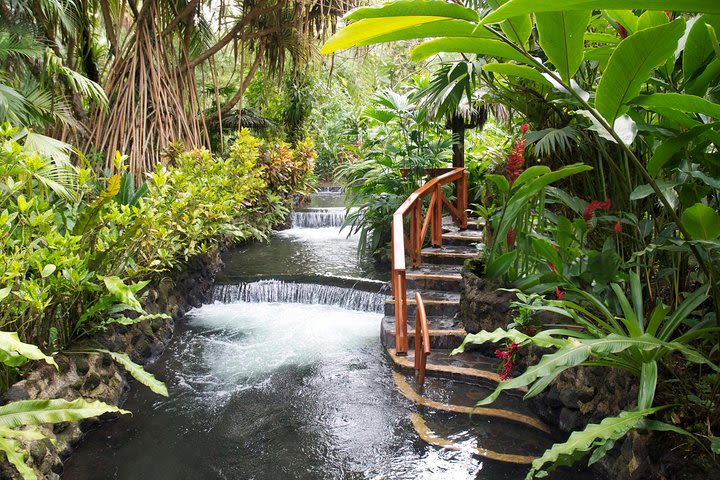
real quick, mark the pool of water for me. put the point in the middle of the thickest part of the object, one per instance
(263, 387)
(301, 254)
(272, 390)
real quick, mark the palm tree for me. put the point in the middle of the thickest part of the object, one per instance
(450, 96)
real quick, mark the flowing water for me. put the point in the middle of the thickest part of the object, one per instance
(287, 379)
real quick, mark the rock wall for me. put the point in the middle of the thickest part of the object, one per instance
(584, 395)
(96, 376)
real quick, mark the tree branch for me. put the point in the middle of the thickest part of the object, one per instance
(233, 34)
(245, 83)
(189, 9)
(109, 27)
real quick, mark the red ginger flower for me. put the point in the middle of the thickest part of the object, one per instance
(559, 293)
(618, 228)
(511, 236)
(514, 165)
(596, 205)
(623, 33)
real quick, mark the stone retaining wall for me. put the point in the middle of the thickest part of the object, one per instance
(96, 376)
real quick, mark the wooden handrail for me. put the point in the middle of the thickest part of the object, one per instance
(422, 340)
(419, 228)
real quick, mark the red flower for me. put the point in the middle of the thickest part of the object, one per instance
(525, 127)
(559, 293)
(507, 360)
(618, 228)
(514, 165)
(511, 237)
(623, 33)
(595, 205)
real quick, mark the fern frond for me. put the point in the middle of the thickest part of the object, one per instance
(600, 436)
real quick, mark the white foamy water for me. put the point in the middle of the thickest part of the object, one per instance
(241, 345)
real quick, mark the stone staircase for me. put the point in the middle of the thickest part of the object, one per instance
(439, 280)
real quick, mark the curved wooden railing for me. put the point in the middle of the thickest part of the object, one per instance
(419, 227)
(422, 340)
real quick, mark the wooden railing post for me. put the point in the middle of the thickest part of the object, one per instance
(437, 216)
(462, 199)
(401, 328)
(422, 340)
(414, 241)
(417, 226)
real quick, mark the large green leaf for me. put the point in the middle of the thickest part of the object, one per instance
(500, 266)
(517, 29)
(701, 222)
(679, 101)
(651, 18)
(124, 293)
(562, 39)
(671, 147)
(648, 383)
(413, 8)
(440, 28)
(521, 7)
(520, 198)
(521, 71)
(577, 351)
(479, 46)
(14, 352)
(698, 46)
(693, 301)
(138, 372)
(543, 339)
(37, 412)
(609, 430)
(15, 454)
(626, 18)
(365, 32)
(631, 65)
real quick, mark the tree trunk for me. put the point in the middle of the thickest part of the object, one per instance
(458, 147)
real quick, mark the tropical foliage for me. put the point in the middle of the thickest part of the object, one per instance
(618, 223)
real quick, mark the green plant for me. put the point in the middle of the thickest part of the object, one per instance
(620, 87)
(402, 142)
(18, 419)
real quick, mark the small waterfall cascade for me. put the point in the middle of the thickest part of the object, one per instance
(276, 291)
(318, 217)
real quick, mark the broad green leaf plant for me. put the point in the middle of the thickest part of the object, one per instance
(630, 86)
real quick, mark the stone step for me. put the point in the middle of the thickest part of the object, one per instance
(445, 333)
(437, 303)
(438, 397)
(467, 366)
(448, 255)
(435, 277)
(474, 223)
(463, 237)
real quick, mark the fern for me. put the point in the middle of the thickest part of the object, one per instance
(598, 437)
(577, 351)
(37, 412)
(138, 372)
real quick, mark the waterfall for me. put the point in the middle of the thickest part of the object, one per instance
(318, 218)
(331, 189)
(275, 291)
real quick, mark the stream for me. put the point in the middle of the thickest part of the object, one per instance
(283, 376)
